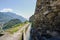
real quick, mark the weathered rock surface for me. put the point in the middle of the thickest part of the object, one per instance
(46, 20)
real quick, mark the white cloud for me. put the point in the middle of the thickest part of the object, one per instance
(6, 10)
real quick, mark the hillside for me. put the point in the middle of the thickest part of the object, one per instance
(9, 19)
(7, 16)
(11, 23)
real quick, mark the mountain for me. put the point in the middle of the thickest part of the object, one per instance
(7, 16)
(11, 23)
(9, 19)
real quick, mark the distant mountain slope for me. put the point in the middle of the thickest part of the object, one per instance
(7, 16)
(11, 23)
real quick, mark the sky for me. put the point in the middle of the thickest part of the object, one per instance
(24, 8)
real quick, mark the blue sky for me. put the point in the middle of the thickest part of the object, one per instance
(24, 8)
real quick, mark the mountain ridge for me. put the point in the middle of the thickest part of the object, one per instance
(7, 16)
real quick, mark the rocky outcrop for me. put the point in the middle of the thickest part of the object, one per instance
(46, 20)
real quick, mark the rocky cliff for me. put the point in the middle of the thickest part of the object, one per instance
(46, 20)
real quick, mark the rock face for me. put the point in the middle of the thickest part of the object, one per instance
(46, 20)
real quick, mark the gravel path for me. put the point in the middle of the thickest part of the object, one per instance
(15, 36)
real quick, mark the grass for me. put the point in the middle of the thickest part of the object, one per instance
(12, 30)
(15, 28)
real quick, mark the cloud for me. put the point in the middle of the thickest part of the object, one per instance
(6, 10)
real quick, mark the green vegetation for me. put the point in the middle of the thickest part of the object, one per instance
(11, 24)
(26, 21)
(15, 28)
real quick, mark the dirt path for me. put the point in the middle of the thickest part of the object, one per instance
(15, 36)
